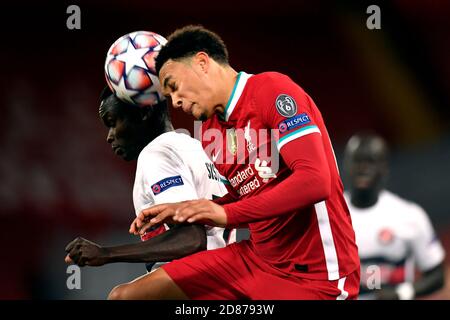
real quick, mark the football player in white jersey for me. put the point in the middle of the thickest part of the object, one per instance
(394, 236)
(171, 167)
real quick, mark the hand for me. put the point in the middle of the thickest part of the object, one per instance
(200, 211)
(386, 294)
(144, 219)
(84, 252)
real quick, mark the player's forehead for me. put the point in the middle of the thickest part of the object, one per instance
(103, 109)
(171, 71)
(370, 148)
(108, 109)
(165, 73)
(368, 154)
(363, 156)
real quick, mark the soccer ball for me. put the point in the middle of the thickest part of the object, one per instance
(130, 68)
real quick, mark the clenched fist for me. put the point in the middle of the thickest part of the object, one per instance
(86, 253)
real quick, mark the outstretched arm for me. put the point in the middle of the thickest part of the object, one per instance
(431, 281)
(303, 148)
(308, 183)
(177, 242)
(310, 174)
(228, 198)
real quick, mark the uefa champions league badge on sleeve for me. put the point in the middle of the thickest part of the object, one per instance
(286, 105)
(166, 183)
(294, 122)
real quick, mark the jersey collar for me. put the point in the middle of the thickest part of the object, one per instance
(239, 86)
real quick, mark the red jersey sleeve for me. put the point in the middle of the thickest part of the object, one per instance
(286, 107)
(228, 198)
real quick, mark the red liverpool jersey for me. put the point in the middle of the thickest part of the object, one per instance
(273, 150)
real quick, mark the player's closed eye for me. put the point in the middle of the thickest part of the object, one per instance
(173, 87)
(110, 122)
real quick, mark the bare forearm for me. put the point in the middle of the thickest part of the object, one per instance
(430, 282)
(175, 243)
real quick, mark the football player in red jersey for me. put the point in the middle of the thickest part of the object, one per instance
(302, 243)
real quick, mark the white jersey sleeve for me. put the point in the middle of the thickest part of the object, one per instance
(427, 249)
(161, 177)
(174, 168)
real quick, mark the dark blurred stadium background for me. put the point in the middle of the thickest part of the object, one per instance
(59, 179)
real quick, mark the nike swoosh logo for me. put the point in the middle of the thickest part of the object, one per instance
(215, 156)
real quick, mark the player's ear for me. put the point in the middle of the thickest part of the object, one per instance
(202, 60)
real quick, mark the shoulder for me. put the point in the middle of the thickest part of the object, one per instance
(270, 79)
(394, 199)
(409, 210)
(171, 142)
(272, 86)
(269, 76)
(170, 147)
(275, 97)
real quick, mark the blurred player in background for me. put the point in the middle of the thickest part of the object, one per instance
(393, 235)
(302, 244)
(171, 167)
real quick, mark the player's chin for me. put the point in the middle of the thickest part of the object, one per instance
(362, 192)
(201, 115)
(128, 155)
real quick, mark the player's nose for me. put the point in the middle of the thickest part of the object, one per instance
(364, 168)
(110, 136)
(176, 101)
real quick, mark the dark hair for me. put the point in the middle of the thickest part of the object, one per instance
(108, 100)
(106, 92)
(189, 40)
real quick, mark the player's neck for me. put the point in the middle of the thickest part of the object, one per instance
(168, 126)
(228, 78)
(158, 129)
(364, 199)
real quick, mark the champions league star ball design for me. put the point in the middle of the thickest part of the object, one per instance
(130, 68)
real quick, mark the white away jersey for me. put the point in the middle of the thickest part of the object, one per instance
(394, 235)
(173, 168)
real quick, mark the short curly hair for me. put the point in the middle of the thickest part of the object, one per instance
(108, 101)
(189, 40)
